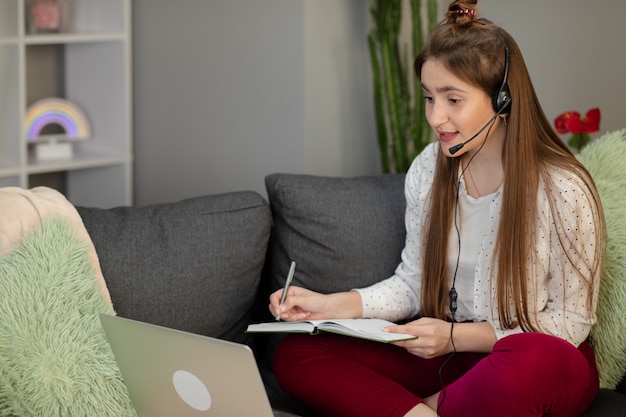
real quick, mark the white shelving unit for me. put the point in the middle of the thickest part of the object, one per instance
(88, 64)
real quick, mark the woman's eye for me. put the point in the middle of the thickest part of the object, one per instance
(454, 100)
(428, 99)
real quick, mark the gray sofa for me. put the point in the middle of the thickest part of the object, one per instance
(208, 264)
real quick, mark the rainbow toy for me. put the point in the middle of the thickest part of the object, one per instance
(50, 111)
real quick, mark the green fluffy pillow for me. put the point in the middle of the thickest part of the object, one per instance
(604, 158)
(54, 357)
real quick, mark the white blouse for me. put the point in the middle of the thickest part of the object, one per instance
(560, 294)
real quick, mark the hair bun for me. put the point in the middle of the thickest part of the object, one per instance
(461, 13)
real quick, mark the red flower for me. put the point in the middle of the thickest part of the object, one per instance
(570, 122)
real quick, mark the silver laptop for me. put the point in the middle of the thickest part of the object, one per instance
(173, 373)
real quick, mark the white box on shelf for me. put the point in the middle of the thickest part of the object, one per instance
(53, 150)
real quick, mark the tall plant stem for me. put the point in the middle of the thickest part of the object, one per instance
(401, 125)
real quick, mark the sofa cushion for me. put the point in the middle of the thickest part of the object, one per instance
(607, 403)
(343, 233)
(192, 265)
(603, 158)
(54, 357)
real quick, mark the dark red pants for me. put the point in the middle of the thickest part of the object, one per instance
(528, 374)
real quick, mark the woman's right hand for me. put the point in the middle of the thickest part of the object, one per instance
(303, 304)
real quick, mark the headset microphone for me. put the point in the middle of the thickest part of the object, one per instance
(458, 147)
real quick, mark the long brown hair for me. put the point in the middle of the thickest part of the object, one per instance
(473, 50)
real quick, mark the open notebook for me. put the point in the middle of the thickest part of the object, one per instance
(371, 329)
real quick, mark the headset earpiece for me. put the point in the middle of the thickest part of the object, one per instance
(502, 99)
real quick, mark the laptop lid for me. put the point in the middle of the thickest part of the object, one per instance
(173, 373)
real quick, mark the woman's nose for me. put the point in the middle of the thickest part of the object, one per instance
(436, 115)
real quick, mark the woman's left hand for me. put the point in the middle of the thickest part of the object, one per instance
(433, 337)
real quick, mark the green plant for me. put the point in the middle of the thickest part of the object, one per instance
(401, 123)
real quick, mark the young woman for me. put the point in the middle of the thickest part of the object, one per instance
(501, 264)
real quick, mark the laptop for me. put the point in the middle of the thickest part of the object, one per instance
(174, 373)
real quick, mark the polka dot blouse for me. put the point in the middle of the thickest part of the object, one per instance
(557, 291)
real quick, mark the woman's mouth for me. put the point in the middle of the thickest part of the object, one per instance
(447, 136)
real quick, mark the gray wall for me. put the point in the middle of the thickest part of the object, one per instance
(227, 92)
(574, 50)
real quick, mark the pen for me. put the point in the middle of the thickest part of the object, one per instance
(292, 269)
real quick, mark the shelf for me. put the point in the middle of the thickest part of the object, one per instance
(89, 64)
(64, 38)
(70, 38)
(80, 160)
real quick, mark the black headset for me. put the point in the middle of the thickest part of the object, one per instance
(502, 99)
